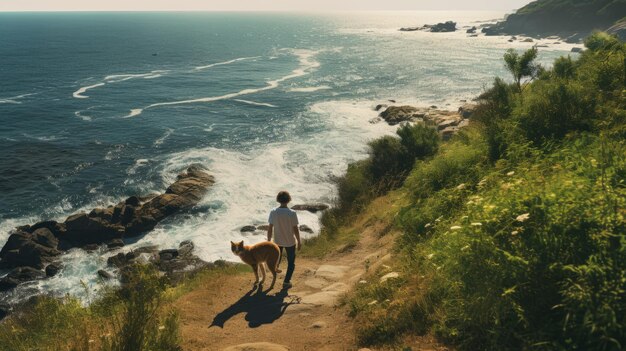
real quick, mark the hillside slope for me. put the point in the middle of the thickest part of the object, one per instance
(566, 18)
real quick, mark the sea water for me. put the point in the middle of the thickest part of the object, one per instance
(95, 107)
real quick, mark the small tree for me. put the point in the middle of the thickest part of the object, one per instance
(521, 66)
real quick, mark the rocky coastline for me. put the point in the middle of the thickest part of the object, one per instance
(447, 122)
(564, 19)
(32, 252)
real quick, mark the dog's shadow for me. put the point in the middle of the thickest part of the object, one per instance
(259, 307)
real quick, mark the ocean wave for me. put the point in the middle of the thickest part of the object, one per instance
(247, 180)
(308, 89)
(305, 59)
(79, 93)
(138, 164)
(116, 78)
(255, 103)
(14, 99)
(227, 62)
(162, 139)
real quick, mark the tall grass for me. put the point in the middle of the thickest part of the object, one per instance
(514, 237)
(129, 319)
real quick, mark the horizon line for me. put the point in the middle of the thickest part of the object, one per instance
(252, 10)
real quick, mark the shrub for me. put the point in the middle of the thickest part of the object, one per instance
(493, 113)
(564, 67)
(137, 327)
(418, 142)
(553, 109)
(535, 258)
(386, 156)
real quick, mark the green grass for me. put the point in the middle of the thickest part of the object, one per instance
(138, 317)
(514, 232)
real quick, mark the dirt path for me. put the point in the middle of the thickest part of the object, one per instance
(227, 315)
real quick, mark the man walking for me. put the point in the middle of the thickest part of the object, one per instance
(283, 226)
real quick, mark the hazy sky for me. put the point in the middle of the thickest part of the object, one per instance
(256, 5)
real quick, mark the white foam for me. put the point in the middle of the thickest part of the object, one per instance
(134, 112)
(227, 62)
(308, 89)
(307, 64)
(247, 181)
(116, 78)
(162, 139)
(78, 93)
(138, 163)
(255, 103)
(14, 99)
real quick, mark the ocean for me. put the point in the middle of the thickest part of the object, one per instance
(95, 107)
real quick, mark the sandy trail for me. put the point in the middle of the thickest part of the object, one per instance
(226, 314)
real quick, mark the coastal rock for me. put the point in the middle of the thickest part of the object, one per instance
(247, 229)
(313, 208)
(467, 110)
(379, 106)
(397, 114)
(577, 50)
(409, 29)
(305, 228)
(105, 275)
(84, 230)
(52, 269)
(471, 30)
(20, 275)
(24, 249)
(5, 309)
(448, 26)
(115, 244)
(263, 227)
(618, 29)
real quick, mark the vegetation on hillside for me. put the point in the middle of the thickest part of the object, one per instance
(515, 233)
(136, 317)
(562, 16)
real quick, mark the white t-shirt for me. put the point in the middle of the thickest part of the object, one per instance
(284, 219)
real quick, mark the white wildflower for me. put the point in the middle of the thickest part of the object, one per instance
(510, 173)
(476, 224)
(455, 227)
(522, 217)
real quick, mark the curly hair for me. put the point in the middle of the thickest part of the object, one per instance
(283, 197)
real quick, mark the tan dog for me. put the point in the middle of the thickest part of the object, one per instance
(258, 256)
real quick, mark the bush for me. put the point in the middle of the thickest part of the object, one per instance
(493, 113)
(532, 257)
(387, 155)
(553, 109)
(137, 327)
(418, 142)
(128, 319)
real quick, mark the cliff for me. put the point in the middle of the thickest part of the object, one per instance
(571, 19)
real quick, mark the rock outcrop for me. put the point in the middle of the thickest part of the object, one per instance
(569, 19)
(443, 27)
(313, 208)
(34, 247)
(447, 122)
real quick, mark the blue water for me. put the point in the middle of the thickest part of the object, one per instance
(95, 107)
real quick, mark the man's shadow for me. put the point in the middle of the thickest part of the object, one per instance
(260, 308)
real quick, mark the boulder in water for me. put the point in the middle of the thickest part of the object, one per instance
(313, 208)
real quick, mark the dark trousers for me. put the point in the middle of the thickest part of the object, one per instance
(291, 261)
